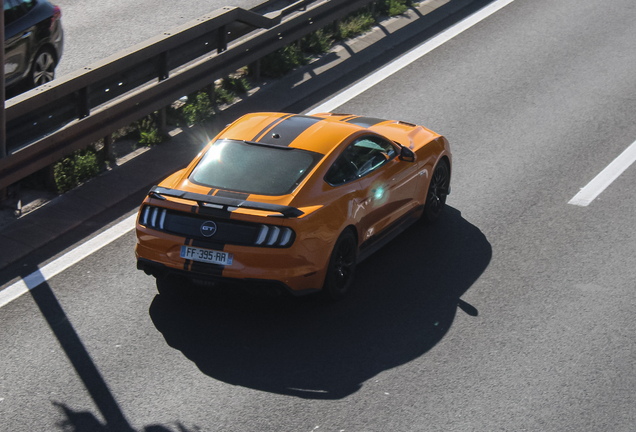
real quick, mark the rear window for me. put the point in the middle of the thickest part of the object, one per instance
(253, 168)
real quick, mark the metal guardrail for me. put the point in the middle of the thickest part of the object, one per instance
(51, 121)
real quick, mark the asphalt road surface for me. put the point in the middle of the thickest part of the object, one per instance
(94, 30)
(515, 312)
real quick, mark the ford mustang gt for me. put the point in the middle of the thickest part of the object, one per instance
(286, 202)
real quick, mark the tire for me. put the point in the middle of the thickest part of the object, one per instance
(43, 68)
(438, 190)
(342, 267)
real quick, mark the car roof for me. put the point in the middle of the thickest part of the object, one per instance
(318, 133)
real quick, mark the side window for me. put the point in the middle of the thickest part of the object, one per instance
(10, 12)
(360, 158)
(27, 5)
(16, 9)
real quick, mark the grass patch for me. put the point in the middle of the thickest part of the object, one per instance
(394, 7)
(318, 42)
(355, 24)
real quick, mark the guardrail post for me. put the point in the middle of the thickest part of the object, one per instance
(49, 177)
(163, 119)
(164, 73)
(212, 95)
(257, 70)
(221, 42)
(109, 154)
(83, 106)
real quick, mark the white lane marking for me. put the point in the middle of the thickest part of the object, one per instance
(605, 177)
(48, 271)
(74, 256)
(409, 58)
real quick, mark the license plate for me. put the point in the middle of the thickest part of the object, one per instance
(206, 255)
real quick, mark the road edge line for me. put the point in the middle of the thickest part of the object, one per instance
(73, 256)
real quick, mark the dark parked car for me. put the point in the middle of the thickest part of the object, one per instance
(33, 42)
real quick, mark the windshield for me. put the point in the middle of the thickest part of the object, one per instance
(252, 168)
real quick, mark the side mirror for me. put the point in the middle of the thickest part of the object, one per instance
(407, 155)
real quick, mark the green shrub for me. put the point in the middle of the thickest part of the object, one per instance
(283, 60)
(222, 95)
(151, 137)
(63, 173)
(148, 130)
(198, 109)
(75, 169)
(235, 85)
(394, 7)
(318, 42)
(355, 24)
(86, 165)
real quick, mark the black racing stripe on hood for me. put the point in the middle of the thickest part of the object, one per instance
(365, 122)
(288, 130)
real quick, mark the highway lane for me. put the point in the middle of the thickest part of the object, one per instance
(514, 313)
(94, 30)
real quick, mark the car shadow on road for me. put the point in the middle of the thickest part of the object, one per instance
(405, 299)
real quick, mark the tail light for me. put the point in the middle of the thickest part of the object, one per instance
(153, 217)
(57, 14)
(273, 236)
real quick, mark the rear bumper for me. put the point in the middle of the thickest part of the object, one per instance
(161, 271)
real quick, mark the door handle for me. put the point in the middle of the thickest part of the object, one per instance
(26, 35)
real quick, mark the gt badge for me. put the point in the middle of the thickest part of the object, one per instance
(208, 228)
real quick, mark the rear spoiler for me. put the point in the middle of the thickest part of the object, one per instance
(162, 192)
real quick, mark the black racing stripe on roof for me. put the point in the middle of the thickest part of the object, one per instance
(266, 128)
(288, 130)
(235, 195)
(365, 122)
(211, 191)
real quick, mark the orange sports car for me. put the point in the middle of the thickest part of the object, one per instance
(287, 202)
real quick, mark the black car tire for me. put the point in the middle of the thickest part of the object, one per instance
(437, 192)
(43, 67)
(342, 267)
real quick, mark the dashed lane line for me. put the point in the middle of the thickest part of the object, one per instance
(605, 177)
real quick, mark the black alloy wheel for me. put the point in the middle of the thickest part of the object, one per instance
(438, 190)
(342, 267)
(43, 68)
